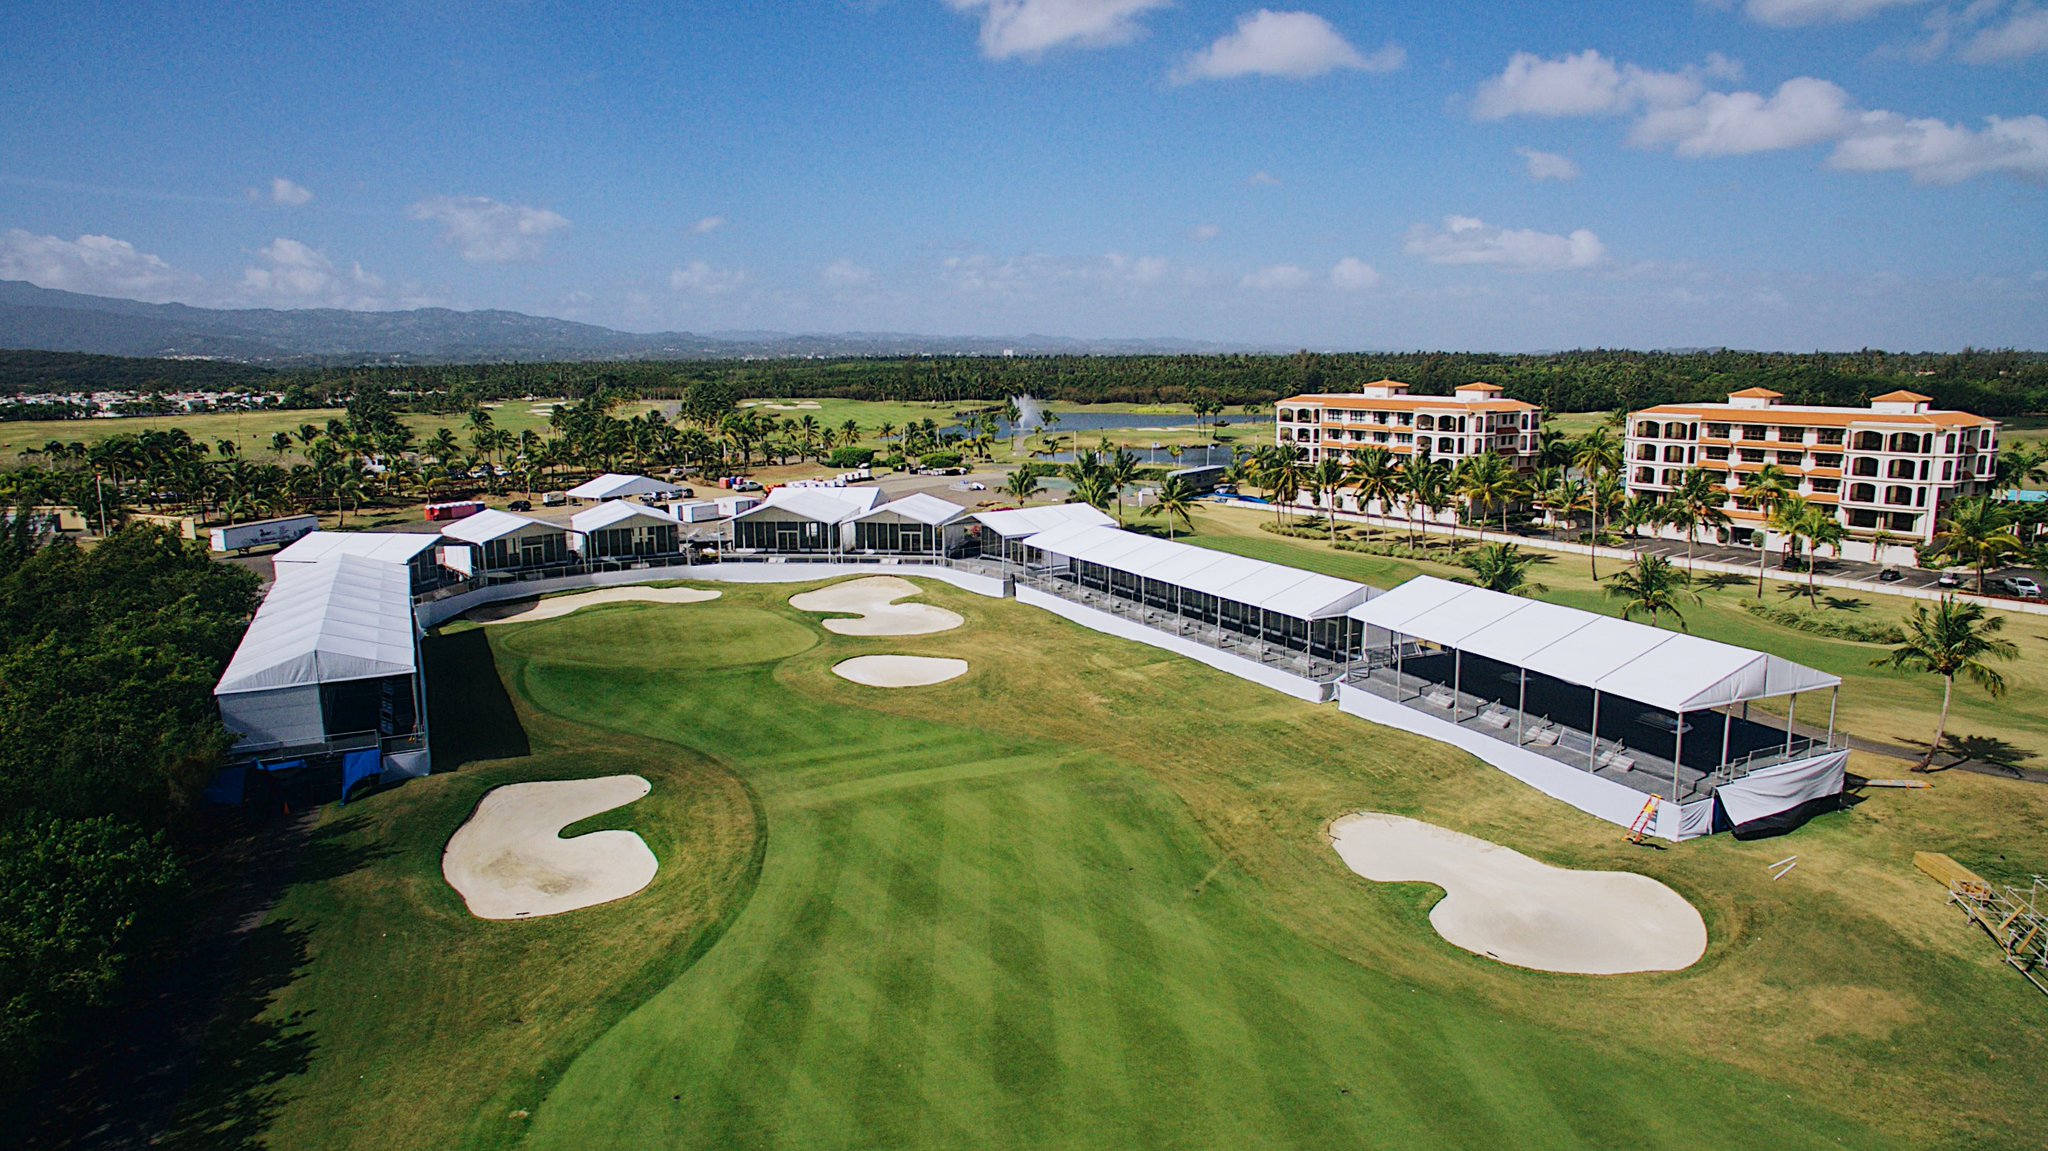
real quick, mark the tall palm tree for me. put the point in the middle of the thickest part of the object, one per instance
(1374, 476)
(1023, 483)
(1977, 531)
(1121, 467)
(1327, 479)
(1822, 529)
(1489, 481)
(1766, 489)
(1791, 517)
(1956, 638)
(1701, 500)
(1503, 568)
(1281, 474)
(1597, 454)
(1425, 481)
(1654, 586)
(1605, 494)
(1176, 501)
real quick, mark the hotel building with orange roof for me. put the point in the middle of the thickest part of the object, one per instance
(1885, 470)
(1472, 421)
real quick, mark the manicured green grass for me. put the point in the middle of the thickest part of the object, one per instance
(1081, 897)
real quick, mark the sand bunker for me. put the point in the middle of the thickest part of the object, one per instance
(872, 598)
(1506, 906)
(899, 670)
(528, 610)
(511, 862)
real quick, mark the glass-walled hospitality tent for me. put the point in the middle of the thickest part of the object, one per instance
(917, 524)
(1272, 603)
(1003, 532)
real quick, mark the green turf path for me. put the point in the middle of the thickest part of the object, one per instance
(959, 940)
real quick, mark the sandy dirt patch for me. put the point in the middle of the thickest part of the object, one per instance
(899, 670)
(509, 861)
(873, 600)
(1506, 906)
(529, 610)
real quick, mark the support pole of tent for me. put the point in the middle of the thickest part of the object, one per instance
(1593, 740)
(1398, 646)
(1791, 717)
(1457, 682)
(1677, 756)
(1727, 722)
(1834, 698)
(1521, 705)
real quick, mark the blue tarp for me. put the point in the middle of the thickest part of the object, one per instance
(227, 787)
(281, 765)
(357, 766)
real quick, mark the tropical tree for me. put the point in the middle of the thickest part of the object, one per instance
(1955, 638)
(1822, 529)
(1326, 479)
(1503, 568)
(1121, 468)
(1605, 494)
(1281, 472)
(1427, 481)
(1489, 481)
(1654, 586)
(1697, 502)
(1023, 483)
(1766, 489)
(1175, 500)
(1976, 531)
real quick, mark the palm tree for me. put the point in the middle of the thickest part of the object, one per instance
(1822, 530)
(1023, 483)
(1374, 476)
(1327, 479)
(1426, 481)
(1765, 489)
(1605, 494)
(1121, 467)
(1176, 501)
(1281, 473)
(1978, 531)
(1502, 568)
(1653, 586)
(1697, 502)
(1597, 455)
(1489, 480)
(1956, 638)
(1790, 517)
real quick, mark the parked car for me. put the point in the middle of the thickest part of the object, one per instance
(520, 506)
(2022, 586)
(1950, 579)
(1890, 575)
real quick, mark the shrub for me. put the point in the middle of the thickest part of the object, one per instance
(850, 458)
(1817, 623)
(940, 459)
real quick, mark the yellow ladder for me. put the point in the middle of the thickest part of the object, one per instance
(1644, 819)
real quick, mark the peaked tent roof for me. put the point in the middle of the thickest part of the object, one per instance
(918, 506)
(348, 618)
(808, 503)
(1670, 670)
(389, 547)
(492, 524)
(1274, 587)
(1013, 522)
(615, 485)
(611, 513)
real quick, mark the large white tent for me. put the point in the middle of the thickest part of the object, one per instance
(615, 486)
(1002, 530)
(795, 520)
(416, 550)
(622, 528)
(1284, 605)
(347, 619)
(1665, 669)
(501, 541)
(917, 524)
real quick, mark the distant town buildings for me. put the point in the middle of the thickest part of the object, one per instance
(112, 405)
(1886, 470)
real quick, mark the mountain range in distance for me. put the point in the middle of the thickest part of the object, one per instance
(33, 318)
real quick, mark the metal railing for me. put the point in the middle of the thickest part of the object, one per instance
(334, 744)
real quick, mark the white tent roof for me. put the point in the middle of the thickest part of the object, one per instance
(1014, 522)
(1670, 670)
(389, 547)
(613, 485)
(348, 618)
(1256, 583)
(612, 513)
(492, 524)
(855, 499)
(918, 506)
(808, 503)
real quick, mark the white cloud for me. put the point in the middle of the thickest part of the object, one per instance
(698, 278)
(1202, 233)
(1802, 13)
(295, 275)
(1024, 276)
(2024, 33)
(1030, 28)
(283, 191)
(96, 265)
(1804, 111)
(1937, 152)
(1589, 84)
(1294, 45)
(1352, 274)
(1278, 278)
(845, 274)
(1464, 240)
(1263, 180)
(707, 225)
(487, 231)
(1548, 165)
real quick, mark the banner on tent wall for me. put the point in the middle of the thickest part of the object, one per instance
(1783, 787)
(357, 766)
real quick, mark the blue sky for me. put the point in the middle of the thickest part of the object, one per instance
(1789, 174)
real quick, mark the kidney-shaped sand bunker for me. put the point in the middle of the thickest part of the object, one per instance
(1506, 906)
(873, 599)
(509, 861)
